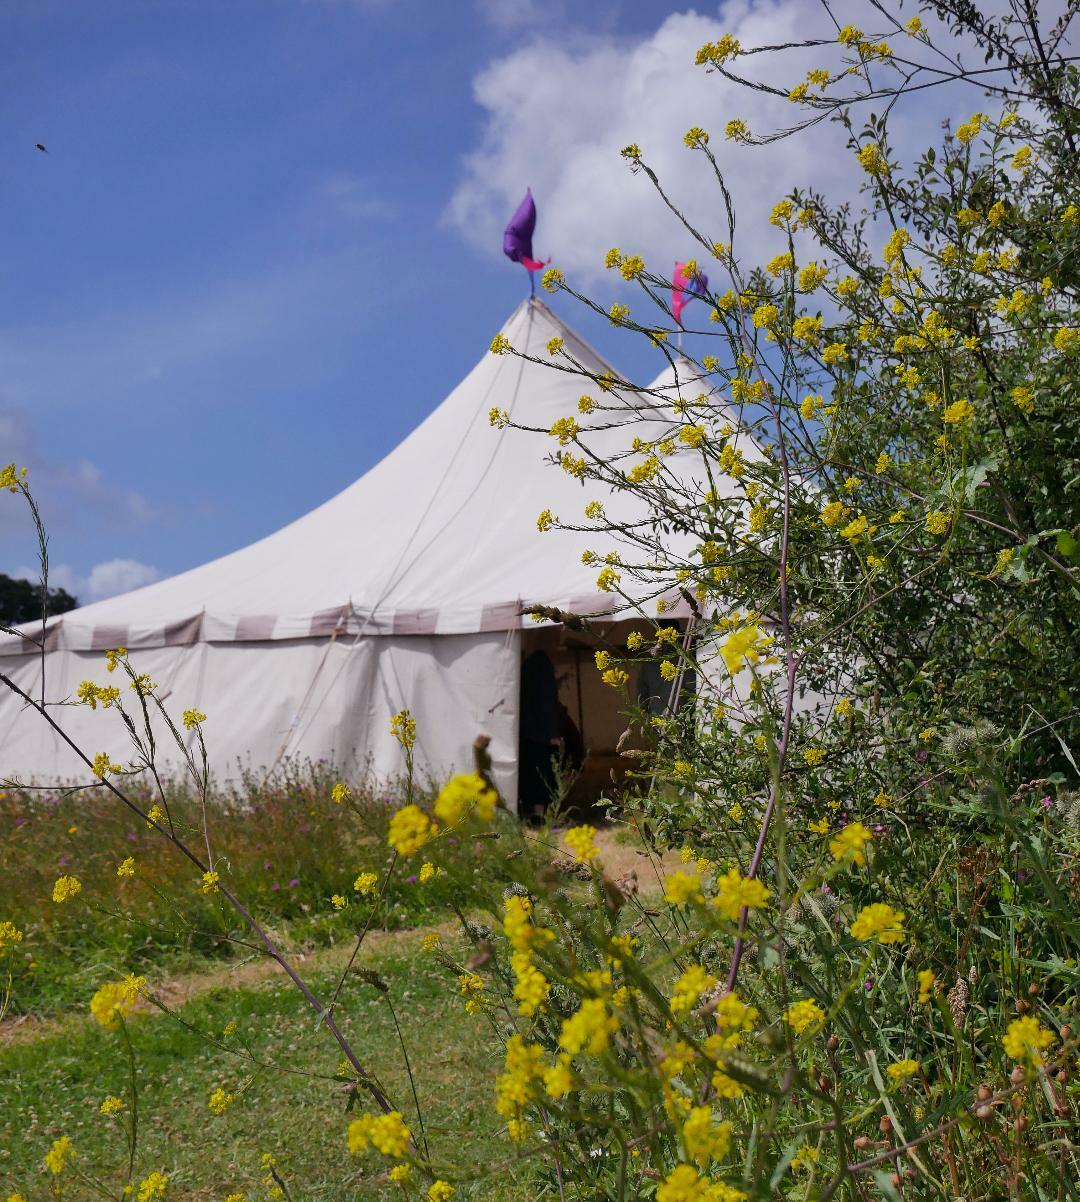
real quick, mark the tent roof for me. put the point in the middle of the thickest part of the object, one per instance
(439, 537)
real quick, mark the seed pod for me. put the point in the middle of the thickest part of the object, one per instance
(984, 1092)
(1019, 1075)
(983, 1112)
(861, 1141)
(1022, 1006)
(885, 1126)
(833, 1042)
(1033, 990)
(958, 1001)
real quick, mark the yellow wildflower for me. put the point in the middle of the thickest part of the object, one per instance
(387, 1133)
(581, 840)
(65, 888)
(410, 829)
(463, 794)
(879, 922)
(801, 1016)
(1025, 1038)
(115, 999)
(734, 891)
(59, 1155)
(849, 845)
(902, 1069)
(682, 887)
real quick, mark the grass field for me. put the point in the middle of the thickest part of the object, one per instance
(284, 1070)
(57, 1072)
(282, 845)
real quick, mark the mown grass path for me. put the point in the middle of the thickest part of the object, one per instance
(56, 1072)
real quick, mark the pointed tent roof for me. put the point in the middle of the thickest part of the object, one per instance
(438, 537)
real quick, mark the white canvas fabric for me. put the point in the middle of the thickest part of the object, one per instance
(406, 589)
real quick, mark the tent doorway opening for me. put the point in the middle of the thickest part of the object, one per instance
(571, 722)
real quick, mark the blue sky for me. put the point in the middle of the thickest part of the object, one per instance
(264, 243)
(229, 288)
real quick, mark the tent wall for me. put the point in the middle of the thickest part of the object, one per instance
(306, 698)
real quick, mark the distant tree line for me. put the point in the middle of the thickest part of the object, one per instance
(20, 601)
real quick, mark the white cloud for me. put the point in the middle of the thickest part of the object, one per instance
(557, 118)
(515, 15)
(559, 113)
(354, 197)
(103, 580)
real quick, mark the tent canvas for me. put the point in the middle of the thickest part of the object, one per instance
(405, 589)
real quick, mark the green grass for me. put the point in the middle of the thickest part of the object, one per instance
(282, 845)
(55, 1083)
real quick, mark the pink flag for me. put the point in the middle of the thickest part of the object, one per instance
(684, 288)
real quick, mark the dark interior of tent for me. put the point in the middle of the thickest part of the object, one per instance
(573, 726)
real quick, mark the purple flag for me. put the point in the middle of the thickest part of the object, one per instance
(517, 238)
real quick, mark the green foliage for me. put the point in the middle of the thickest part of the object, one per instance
(20, 601)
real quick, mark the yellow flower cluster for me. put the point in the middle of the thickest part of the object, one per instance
(220, 1101)
(743, 647)
(703, 1139)
(531, 986)
(689, 988)
(581, 840)
(9, 935)
(472, 989)
(685, 1184)
(588, 1030)
(152, 1186)
(464, 794)
(1025, 1038)
(65, 888)
(902, 1070)
(879, 923)
(715, 53)
(115, 999)
(517, 1085)
(849, 846)
(410, 829)
(803, 1015)
(94, 695)
(102, 765)
(12, 477)
(193, 718)
(403, 728)
(60, 1155)
(386, 1133)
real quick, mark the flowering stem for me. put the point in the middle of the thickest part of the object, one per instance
(275, 953)
(134, 1086)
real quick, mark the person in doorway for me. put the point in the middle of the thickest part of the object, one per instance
(540, 738)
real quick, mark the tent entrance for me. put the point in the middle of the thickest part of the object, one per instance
(567, 711)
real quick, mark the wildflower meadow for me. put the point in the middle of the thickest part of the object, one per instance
(821, 940)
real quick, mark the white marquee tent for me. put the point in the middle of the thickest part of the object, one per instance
(406, 589)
